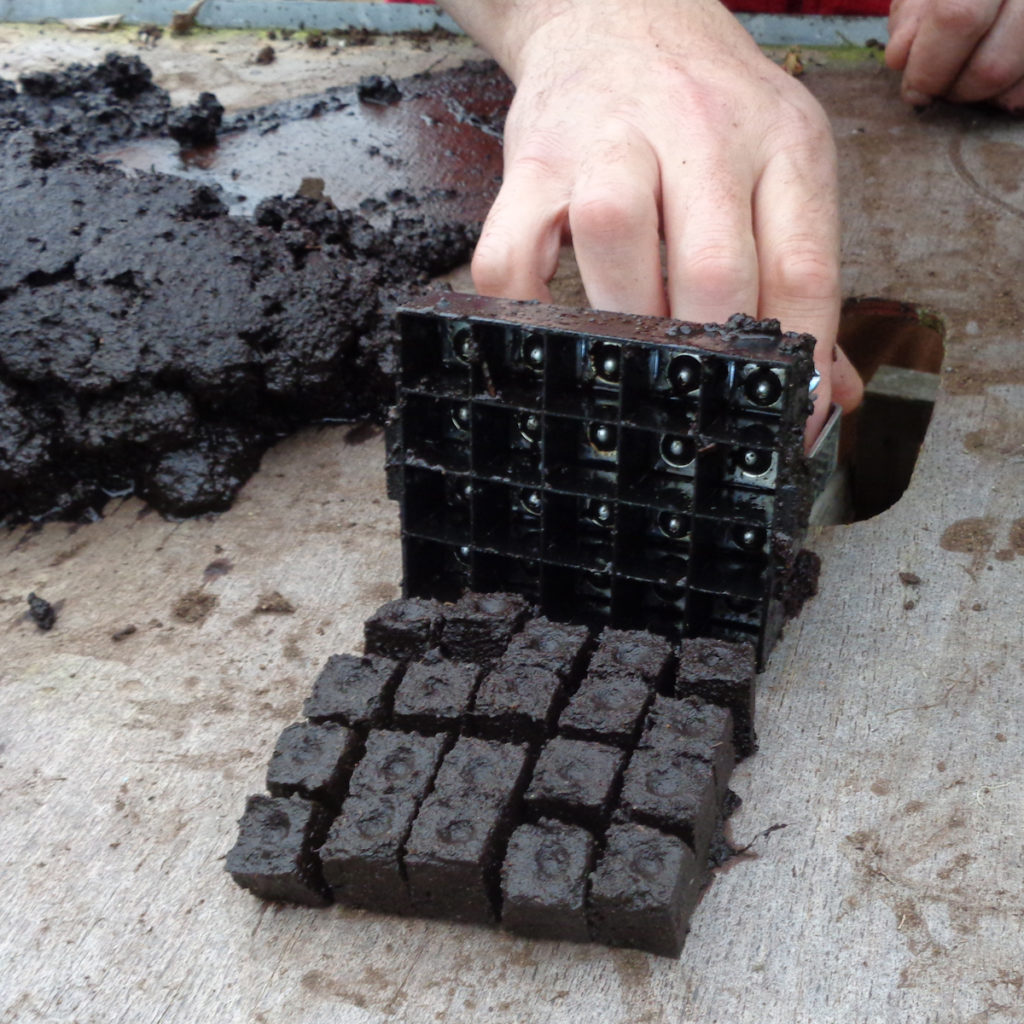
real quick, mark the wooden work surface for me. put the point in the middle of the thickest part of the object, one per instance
(890, 737)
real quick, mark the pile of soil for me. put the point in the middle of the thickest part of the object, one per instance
(153, 343)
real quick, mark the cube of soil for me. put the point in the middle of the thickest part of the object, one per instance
(313, 760)
(695, 728)
(673, 792)
(607, 708)
(517, 702)
(544, 881)
(354, 690)
(478, 627)
(275, 855)
(723, 673)
(632, 652)
(404, 629)
(575, 781)
(554, 646)
(644, 890)
(362, 854)
(455, 848)
(435, 694)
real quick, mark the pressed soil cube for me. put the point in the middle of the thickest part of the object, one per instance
(644, 890)
(313, 760)
(404, 629)
(275, 854)
(354, 690)
(435, 694)
(575, 781)
(544, 880)
(478, 627)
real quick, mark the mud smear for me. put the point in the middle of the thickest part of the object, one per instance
(155, 343)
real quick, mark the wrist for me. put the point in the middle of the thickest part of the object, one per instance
(512, 31)
(504, 27)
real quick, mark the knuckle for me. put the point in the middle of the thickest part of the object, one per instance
(957, 16)
(720, 269)
(805, 120)
(989, 76)
(803, 269)
(604, 214)
(492, 267)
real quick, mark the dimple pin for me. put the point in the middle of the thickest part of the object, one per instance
(606, 361)
(603, 437)
(677, 451)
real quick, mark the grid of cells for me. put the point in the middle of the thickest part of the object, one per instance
(615, 470)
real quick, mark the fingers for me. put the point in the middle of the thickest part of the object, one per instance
(709, 237)
(610, 206)
(904, 19)
(613, 216)
(997, 62)
(847, 386)
(942, 45)
(797, 228)
(1013, 99)
(517, 253)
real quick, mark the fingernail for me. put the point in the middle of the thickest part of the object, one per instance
(915, 98)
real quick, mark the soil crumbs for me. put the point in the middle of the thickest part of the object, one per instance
(155, 344)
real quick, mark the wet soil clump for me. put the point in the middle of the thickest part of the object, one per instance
(87, 106)
(153, 343)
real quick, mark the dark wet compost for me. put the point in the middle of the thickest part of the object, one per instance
(155, 342)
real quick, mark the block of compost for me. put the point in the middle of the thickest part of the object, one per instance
(691, 726)
(353, 690)
(544, 881)
(478, 627)
(672, 792)
(723, 673)
(644, 890)
(608, 709)
(575, 781)
(632, 652)
(554, 646)
(313, 760)
(362, 854)
(435, 694)
(275, 854)
(453, 856)
(517, 702)
(404, 629)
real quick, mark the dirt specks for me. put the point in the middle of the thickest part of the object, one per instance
(41, 612)
(378, 593)
(881, 787)
(970, 537)
(1017, 536)
(320, 983)
(218, 567)
(194, 606)
(273, 603)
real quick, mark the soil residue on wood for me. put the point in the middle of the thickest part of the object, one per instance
(155, 344)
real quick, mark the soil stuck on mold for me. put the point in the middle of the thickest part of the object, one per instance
(154, 343)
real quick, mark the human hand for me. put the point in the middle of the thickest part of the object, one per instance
(635, 121)
(961, 50)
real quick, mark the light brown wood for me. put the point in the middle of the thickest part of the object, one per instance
(890, 735)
